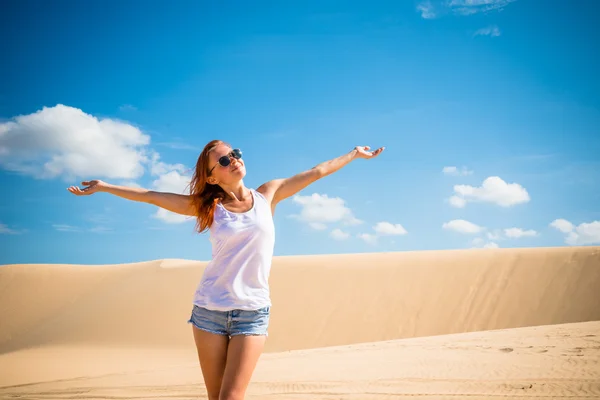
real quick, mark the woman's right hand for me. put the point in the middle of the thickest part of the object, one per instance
(91, 187)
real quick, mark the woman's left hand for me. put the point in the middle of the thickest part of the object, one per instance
(363, 152)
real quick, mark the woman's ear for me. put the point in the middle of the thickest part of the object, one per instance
(211, 180)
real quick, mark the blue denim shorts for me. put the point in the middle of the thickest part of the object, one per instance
(231, 323)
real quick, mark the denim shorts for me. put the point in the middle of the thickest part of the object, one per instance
(231, 323)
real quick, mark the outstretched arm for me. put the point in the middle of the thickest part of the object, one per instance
(280, 189)
(177, 203)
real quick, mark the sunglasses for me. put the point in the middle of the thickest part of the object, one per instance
(225, 160)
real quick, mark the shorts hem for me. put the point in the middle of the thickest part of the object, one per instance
(249, 334)
(208, 330)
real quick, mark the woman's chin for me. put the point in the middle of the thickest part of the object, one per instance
(239, 173)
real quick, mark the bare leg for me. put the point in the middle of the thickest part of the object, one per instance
(242, 356)
(212, 355)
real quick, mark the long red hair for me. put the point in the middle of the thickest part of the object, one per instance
(205, 196)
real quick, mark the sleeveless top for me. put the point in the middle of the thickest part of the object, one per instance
(237, 277)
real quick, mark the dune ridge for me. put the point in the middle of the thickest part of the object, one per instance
(318, 301)
(404, 315)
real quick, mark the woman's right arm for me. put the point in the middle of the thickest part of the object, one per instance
(177, 203)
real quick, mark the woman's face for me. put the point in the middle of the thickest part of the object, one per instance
(235, 171)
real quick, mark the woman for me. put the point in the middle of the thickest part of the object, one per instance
(231, 306)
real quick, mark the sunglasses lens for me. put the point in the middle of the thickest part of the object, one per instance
(224, 161)
(236, 153)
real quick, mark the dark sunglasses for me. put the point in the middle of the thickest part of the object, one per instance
(225, 160)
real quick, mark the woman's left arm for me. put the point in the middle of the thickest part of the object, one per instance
(280, 189)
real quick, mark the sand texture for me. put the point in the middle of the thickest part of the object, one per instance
(476, 324)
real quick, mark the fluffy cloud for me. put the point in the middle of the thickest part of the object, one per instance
(492, 31)
(319, 210)
(368, 237)
(383, 228)
(562, 225)
(387, 228)
(584, 233)
(65, 142)
(172, 178)
(462, 226)
(496, 234)
(457, 202)
(480, 243)
(338, 234)
(455, 171)
(493, 190)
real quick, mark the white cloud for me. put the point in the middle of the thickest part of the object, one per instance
(516, 233)
(426, 9)
(480, 243)
(172, 182)
(493, 190)
(491, 30)
(65, 142)
(584, 233)
(383, 228)
(319, 210)
(457, 202)
(338, 234)
(462, 226)
(171, 179)
(455, 171)
(368, 237)
(469, 7)
(387, 228)
(562, 225)
(158, 167)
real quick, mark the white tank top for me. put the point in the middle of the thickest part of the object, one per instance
(237, 277)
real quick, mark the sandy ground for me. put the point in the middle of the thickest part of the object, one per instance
(470, 324)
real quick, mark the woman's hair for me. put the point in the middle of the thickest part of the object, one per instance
(205, 196)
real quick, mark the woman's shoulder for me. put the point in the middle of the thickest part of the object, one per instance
(267, 189)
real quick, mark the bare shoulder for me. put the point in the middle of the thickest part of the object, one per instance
(268, 189)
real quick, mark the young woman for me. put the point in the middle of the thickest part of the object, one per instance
(231, 306)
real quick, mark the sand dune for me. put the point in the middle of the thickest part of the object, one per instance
(120, 330)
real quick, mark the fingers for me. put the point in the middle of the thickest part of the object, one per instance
(373, 153)
(77, 191)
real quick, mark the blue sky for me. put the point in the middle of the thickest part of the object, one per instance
(488, 109)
